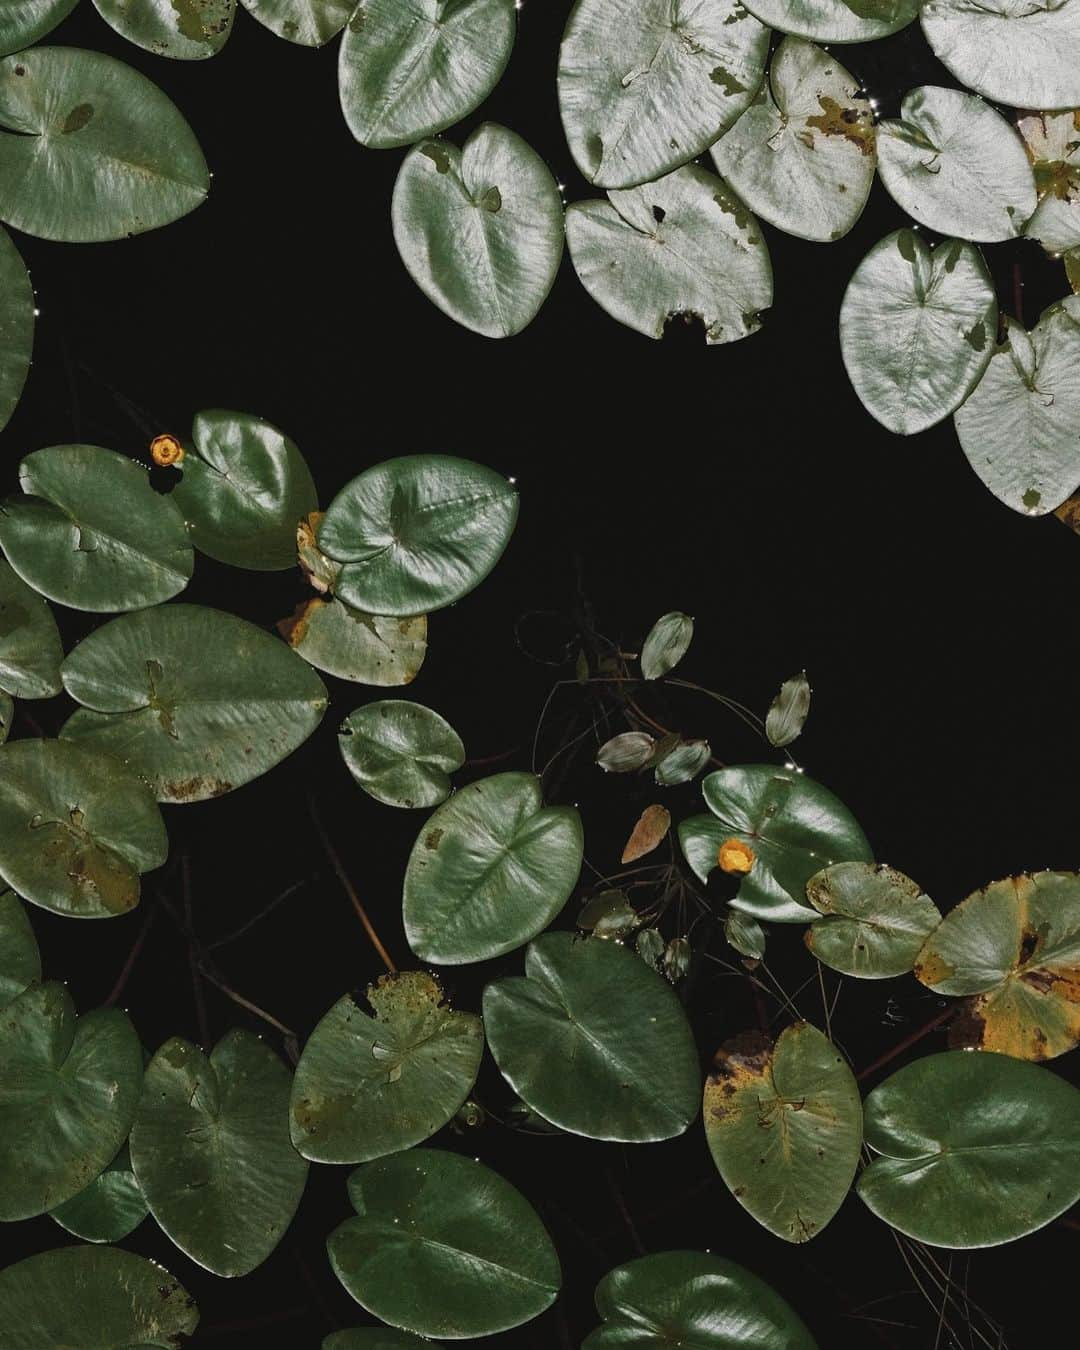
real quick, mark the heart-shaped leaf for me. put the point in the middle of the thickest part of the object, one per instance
(365, 648)
(559, 1037)
(191, 728)
(401, 753)
(309, 23)
(491, 868)
(186, 30)
(107, 1210)
(368, 1085)
(30, 649)
(836, 20)
(917, 329)
(788, 711)
(480, 229)
(683, 245)
(417, 533)
(875, 919)
(92, 533)
(24, 22)
(443, 1246)
(20, 961)
(76, 829)
(665, 646)
(69, 1087)
(1052, 141)
(802, 156)
(784, 1125)
(90, 149)
(16, 326)
(975, 1150)
(210, 1148)
(406, 72)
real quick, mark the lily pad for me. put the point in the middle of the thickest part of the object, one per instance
(107, 1210)
(191, 728)
(443, 1246)
(665, 646)
(683, 245)
(875, 919)
(1052, 141)
(369, 1085)
(20, 960)
(365, 648)
(210, 1148)
(24, 22)
(16, 326)
(69, 1087)
(90, 149)
(309, 23)
(401, 753)
(7, 716)
(92, 533)
(836, 20)
(788, 711)
(559, 1037)
(784, 1125)
(645, 87)
(30, 648)
(480, 229)
(489, 870)
(186, 30)
(374, 1338)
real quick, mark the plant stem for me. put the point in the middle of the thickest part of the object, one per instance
(348, 887)
(193, 960)
(129, 964)
(905, 1044)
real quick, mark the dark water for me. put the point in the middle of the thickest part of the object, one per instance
(742, 484)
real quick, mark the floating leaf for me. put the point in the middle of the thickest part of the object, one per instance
(401, 753)
(775, 828)
(107, 1210)
(92, 1296)
(211, 1150)
(788, 711)
(745, 934)
(20, 961)
(650, 946)
(69, 1087)
(876, 919)
(1052, 141)
(836, 20)
(692, 1299)
(92, 533)
(1014, 949)
(480, 229)
(16, 326)
(7, 716)
(243, 490)
(682, 245)
(408, 71)
(976, 1149)
(417, 533)
(644, 87)
(443, 1246)
(666, 644)
(30, 649)
(364, 648)
(90, 149)
(24, 22)
(559, 1037)
(611, 910)
(186, 30)
(76, 829)
(917, 329)
(368, 1085)
(683, 763)
(649, 832)
(491, 868)
(192, 728)
(802, 156)
(677, 956)
(784, 1125)
(374, 1338)
(626, 752)
(309, 23)
(1020, 427)
(956, 165)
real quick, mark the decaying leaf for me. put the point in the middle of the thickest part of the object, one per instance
(653, 824)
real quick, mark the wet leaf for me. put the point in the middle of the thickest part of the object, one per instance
(401, 753)
(650, 946)
(364, 648)
(20, 961)
(875, 919)
(417, 533)
(7, 716)
(90, 149)
(803, 155)
(917, 329)
(788, 711)
(784, 1125)
(191, 728)
(956, 165)
(609, 908)
(16, 326)
(666, 644)
(92, 533)
(683, 763)
(644, 87)
(373, 1084)
(186, 30)
(374, 1338)
(627, 751)
(242, 491)
(489, 870)
(1014, 949)
(677, 956)
(692, 1299)
(649, 832)
(76, 829)
(684, 244)
(408, 71)
(92, 1296)
(975, 1150)
(745, 934)
(559, 1037)
(320, 571)
(1019, 427)
(309, 23)
(480, 230)
(24, 22)
(1052, 141)
(788, 826)
(836, 20)
(69, 1087)
(443, 1246)
(30, 650)
(211, 1150)
(107, 1210)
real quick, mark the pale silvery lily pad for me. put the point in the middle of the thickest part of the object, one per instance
(16, 326)
(1053, 146)
(24, 22)
(308, 23)
(836, 20)
(186, 30)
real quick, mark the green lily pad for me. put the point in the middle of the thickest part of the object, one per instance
(210, 1148)
(186, 30)
(788, 711)
(20, 960)
(7, 716)
(374, 1338)
(559, 1037)
(107, 1210)
(875, 919)
(368, 1085)
(665, 646)
(836, 20)
(364, 648)
(975, 1150)
(191, 728)
(489, 870)
(90, 149)
(76, 829)
(92, 1296)
(443, 1246)
(745, 934)
(1052, 141)
(309, 23)
(401, 753)
(30, 647)
(16, 326)
(69, 1087)
(784, 1125)
(24, 22)
(408, 71)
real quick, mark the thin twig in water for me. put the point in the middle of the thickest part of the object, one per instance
(269, 909)
(129, 964)
(193, 960)
(348, 888)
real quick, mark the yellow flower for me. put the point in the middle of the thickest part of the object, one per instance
(166, 450)
(735, 856)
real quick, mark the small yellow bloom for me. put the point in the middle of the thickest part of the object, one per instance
(166, 450)
(735, 856)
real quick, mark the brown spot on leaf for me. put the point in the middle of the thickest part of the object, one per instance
(431, 839)
(931, 969)
(294, 629)
(853, 124)
(196, 788)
